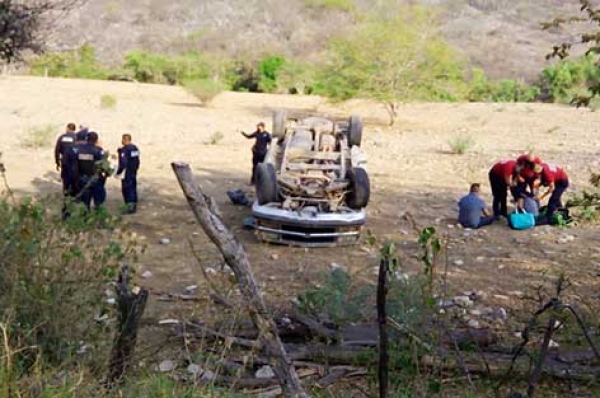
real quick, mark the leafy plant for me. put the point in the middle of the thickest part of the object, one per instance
(214, 138)
(337, 299)
(39, 137)
(268, 69)
(205, 90)
(108, 102)
(460, 144)
(80, 63)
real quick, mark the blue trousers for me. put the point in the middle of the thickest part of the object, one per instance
(95, 191)
(555, 199)
(129, 188)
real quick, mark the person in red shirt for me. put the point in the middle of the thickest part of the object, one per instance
(526, 177)
(502, 176)
(557, 182)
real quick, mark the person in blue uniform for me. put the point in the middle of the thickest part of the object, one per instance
(129, 164)
(86, 171)
(260, 148)
(64, 143)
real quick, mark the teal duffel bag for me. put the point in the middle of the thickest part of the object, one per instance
(521, 220)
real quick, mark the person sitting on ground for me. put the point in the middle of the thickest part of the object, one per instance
(472, 212)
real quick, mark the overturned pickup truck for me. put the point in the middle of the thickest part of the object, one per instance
(312, 188)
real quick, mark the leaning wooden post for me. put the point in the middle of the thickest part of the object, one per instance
(207, 215)
(131, 306)
(382, 290)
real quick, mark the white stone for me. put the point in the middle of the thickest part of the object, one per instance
(474, 324)
(501, 297)
(275, 256)
(165, 241)
(208, 376)
(166, 366)
(553, 344)
(266, 372)
(459, 263)
(146, 274)
(194, 369)
(463, 301)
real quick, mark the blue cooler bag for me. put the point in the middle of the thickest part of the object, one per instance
(521, 220)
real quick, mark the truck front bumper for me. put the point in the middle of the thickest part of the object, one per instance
(307, 228)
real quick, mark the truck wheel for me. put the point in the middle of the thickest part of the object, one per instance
(355, 129)
(360, 188)
(266, 183)
(279, 122)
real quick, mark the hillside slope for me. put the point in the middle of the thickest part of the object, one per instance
(501, 36)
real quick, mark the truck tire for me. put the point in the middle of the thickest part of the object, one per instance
(360, 188)
(266, 184)
(355, 129)
(279, 122)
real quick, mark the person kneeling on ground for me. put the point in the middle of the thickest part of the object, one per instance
(472, 212)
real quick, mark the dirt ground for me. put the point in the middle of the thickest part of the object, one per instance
(411, 170)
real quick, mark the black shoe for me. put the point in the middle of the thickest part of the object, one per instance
(131, 208)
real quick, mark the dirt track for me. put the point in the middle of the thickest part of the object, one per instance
(410, 167)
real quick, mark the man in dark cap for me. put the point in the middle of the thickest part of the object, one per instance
(260, 148)
(129, 163)
(86, 170)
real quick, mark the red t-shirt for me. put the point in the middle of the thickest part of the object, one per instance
(526, 172)
(551, 173)
(504, 168)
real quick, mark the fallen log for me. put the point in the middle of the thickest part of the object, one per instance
(208, 217)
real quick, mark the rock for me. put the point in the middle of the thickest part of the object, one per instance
(480, 259)
(266, 372)
(336, 266)
(474, 324)
(165, 241)
(516, 293)
(458, 263)
(275, 256)
(475, 312)
(446, 303)
(450, 226)
(211, 271)
(194, 369)
(562, 241)
(272, 278)
(146, 274)
(83, 349)
(111, 301)
(501, 266)
(208, 376)
(463, 301)
(501, 313)
(191, 289)
(166, 366)
(501, 297)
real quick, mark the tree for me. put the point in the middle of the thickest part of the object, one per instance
(589, 39)
(21, 22)
(396, 54)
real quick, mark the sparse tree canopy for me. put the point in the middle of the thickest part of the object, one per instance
(398, 54)
(21, 22)
(589, 39)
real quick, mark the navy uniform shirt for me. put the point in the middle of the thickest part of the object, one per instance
(63, 144)
(85, 158)
(262, 142)
(129, 159)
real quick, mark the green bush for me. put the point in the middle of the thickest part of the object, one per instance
(108, 102)
(205, 90)
(39, 137)
(80, 63)
(268, 69)
(566, 79)
(343, 5)
(460, 144)
(147, 67)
